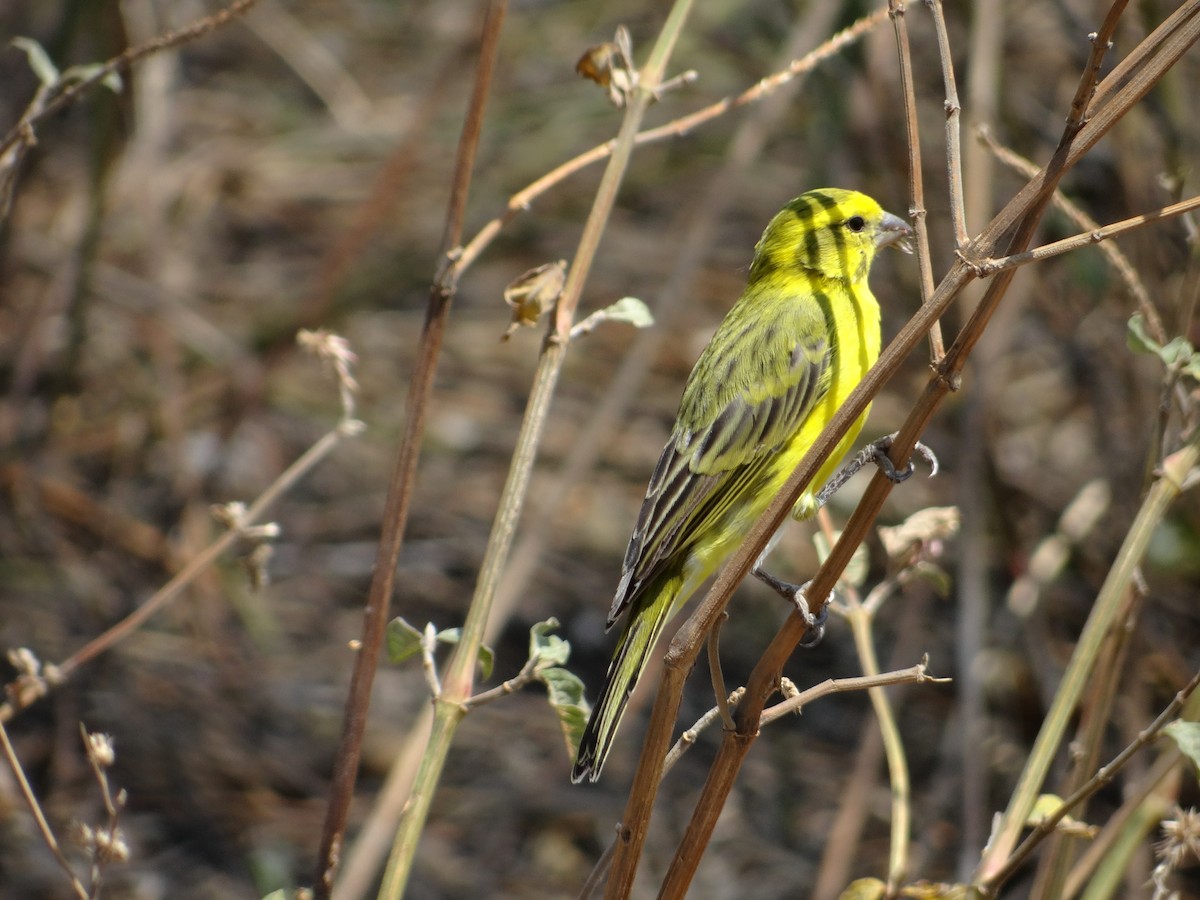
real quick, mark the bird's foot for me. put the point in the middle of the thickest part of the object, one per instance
(877, 452)
(794, 594)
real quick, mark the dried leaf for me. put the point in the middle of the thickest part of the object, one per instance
(533, 293)
(610, 66)
(596, 64)
(922, 532)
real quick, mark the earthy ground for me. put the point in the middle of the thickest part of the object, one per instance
(291, 170)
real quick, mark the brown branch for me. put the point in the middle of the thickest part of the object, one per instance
(400, 487)
(916, 209)
(954, 167)
(1097, 235)
(1085, 92)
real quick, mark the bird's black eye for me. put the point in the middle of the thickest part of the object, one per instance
(856, 223)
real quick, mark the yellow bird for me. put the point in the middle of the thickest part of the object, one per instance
(797, 342)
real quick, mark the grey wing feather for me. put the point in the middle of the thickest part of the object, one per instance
(701, 474)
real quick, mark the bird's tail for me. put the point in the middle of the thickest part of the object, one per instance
(647, 616)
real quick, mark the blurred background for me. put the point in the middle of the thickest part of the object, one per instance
(292, 170)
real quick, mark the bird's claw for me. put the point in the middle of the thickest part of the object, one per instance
(794, 594)
(879, 454)
(816, 624)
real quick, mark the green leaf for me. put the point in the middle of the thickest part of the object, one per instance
(565, 693)
(1136, 337)
(403, 640)
(1186, 736)
(935, 576)
(1193, 368)
(548, 649)
(39, 60)
(1177, 351)
(487, 661)
(112, 80)
(631, 310)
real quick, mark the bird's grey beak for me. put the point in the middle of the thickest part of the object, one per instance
(894, 230)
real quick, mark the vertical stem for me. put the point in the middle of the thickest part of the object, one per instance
(403, 478)
(898, 777)
(954, 171)
(896, 9)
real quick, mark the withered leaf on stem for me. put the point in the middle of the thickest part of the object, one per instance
(533, 293)
(610, 65)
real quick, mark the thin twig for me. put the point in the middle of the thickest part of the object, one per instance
(1119, 261)
(714, 671)
(595, 880)
(688, 736)
(989, 266)
(916, 210)
(514, 684)
(35, 808)
(1161, 782)
(953, 126)
(23, 131)
(898, 774)
(1085, 92)
(918, 674)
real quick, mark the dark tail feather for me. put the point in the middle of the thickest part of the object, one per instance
(646, 619)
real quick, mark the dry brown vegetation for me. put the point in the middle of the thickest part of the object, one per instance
(291, 170)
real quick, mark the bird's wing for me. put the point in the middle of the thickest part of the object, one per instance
(750, 391)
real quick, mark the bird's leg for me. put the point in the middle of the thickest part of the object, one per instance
(875, 452)
(794, 593)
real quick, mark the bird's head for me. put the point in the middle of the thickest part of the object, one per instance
(830, 232)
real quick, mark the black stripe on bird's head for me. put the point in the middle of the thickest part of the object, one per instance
(830, 232)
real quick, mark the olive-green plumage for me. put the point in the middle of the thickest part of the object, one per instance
(797, 342)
